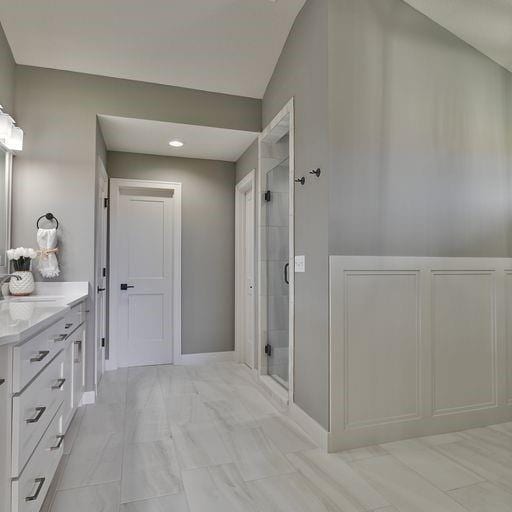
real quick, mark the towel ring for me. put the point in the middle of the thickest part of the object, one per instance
(48, 216)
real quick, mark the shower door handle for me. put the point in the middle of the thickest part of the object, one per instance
(286, 268)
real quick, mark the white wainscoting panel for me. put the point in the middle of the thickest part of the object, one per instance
(418, 346)
(463, 341)
(508, 332)
(381, 356)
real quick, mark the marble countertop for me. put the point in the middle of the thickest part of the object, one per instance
(22, 317)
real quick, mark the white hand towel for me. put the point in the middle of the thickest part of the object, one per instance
(47, 241)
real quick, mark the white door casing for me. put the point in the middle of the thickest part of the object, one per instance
(101, 278)
(249, 279)
(245, 308)
(146, 257)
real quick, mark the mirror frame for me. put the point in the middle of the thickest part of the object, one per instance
(8, 203)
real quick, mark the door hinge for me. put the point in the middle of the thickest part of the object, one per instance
(268, 350)
(103, 342)
(104, 271)
(105, 202)
(267, 195)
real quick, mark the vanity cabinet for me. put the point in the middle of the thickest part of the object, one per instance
(41, 384)
(5, 429)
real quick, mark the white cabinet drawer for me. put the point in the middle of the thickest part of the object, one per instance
(31, 357)
(29, 491)
(33, 410)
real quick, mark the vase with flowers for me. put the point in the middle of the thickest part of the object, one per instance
(21, 259)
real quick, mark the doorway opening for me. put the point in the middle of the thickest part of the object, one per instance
(245, 242)
(276, 252)
(101, 272)
(145, 280)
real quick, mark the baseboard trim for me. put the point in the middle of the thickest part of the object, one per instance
(88, 398)
(206, 358)
(315, 431)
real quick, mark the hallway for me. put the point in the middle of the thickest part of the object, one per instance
(205, 439)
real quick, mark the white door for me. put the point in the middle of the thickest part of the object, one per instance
(101, 276)
(248, 352)
(144, 276)
(245, 301)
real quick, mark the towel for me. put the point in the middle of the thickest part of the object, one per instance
(47, 241)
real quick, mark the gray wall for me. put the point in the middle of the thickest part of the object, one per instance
(411, 127)
(301, 72)
(208, 242)
(7, 69)
(56, 170)
(247, 162)
(419, 137)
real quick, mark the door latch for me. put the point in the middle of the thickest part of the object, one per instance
(268, 350)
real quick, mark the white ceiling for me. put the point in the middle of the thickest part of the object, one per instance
(152, 138)
(484, 24)
(228, 46)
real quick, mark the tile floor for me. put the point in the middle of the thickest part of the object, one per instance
(204, 439)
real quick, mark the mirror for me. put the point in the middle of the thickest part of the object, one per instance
(5, 207)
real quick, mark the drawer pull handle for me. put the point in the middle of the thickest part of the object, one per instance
(37, 417)
(59, 444)
(42, 354)
(40, 483)
(67, 326)
(78, 343)
(60, 337)
(59, 385)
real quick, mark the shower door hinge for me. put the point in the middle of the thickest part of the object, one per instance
(105, 202)
(268, 349)
(103, 342)
(104, 271)
(267, 196)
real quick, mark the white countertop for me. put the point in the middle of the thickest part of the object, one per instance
(22, 317)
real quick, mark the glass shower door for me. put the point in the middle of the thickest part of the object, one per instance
(278, 272)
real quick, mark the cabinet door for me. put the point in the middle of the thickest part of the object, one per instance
(68, 406)
(5, 427)
(78, 365)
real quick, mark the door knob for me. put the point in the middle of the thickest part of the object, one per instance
(125, 286)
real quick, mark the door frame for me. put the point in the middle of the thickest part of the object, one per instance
(283, 395)
(100, 209)
(245, 185)
(116, 184)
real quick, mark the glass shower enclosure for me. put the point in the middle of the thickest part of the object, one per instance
(275, 252)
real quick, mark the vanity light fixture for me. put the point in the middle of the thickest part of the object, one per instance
(176, 143)
(15, 141)
(6, 126)
(10, 134)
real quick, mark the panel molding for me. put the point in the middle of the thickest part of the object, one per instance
(440, 411)
(392, 418)
(493, 326)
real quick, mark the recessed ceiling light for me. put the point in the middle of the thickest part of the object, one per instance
(176, 143)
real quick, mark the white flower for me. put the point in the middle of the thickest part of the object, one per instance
(21, 252)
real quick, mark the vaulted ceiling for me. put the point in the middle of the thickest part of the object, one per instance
(226, 46)
(484, 24)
